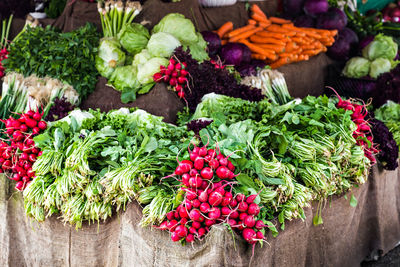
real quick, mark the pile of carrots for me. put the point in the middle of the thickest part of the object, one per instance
(275, 40)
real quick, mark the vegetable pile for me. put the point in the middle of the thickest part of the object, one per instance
(129, 55)
(18, 152)
(208, 200)
(378, 58)
(390, 115)
(69, 57)
(277, 41)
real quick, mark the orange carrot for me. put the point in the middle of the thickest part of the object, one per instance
(273, 47)
(259, 18)
(258, 50)
(225, 28)
(282, 61)
(277, 20)
(311, 52)
(290, 46)
(267, 40)
(256, 9)
(264, 24)
(251, 22)
(271, 34)
(240, 30)
(298, 40)
(258, 56)
(224, 42)
(279, 29)
(245, 34)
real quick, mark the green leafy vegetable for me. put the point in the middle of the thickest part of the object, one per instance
(124, 78)
(69, 57)
(110, 56)
(147, 70)
(357, 67)
(162, 45)
(381, 47)
(133, 37)
(178, 26)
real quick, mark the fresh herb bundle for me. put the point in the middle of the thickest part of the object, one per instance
(55, 8)
(69, 57)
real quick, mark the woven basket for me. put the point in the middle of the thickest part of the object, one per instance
(214, 3)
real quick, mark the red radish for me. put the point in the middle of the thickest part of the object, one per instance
(193, 156)
(181, 80)
(184, 73)
(183, 213)
(249, 235)
(24, 156)
(201, 232)
(199, 163)
(30, 173)
(189, 238)
(204, 207)
(193, 172)
(185, 179)
(37, 116)
(231, 167)
(240, 197)
(170, 215)
(36, 131)
(209, 223)
(195, 215)
(240, 226)
(173, 82)
(253, 209)
(176, 215)
(181, 94)
(32, 158)
(196, 203)
(225, 211)
(157, 77)
(214, 164)
(249, 221)
(25, 179)
(259, 235)
(234, 214)
(174, 74)
(42, 125)
(233, 203)
(242, 216)
(207, 173)
(195, 182)
(172, 225)
(175, 237)
(222, 172)
(250, 199)
(232, 223)
(207, 158)
(242, 207)
(190, 194)
(166, 76)
(223, 161)
(214, 213)
(183, 221)
(203, 196)
(18, 136)
(192, 230)
(203, 151)
(163, 226)
(196, 150)
(215, 199)
(30, 113)
(31, 123)
(196, 225)
(259, 225)
(225, 201)
(19, 186)
(181, 231)
(16, 177)
(204, 185)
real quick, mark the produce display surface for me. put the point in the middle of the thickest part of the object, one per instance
(172, 132)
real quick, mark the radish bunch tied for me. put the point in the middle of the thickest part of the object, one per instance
(362, 134)
(18, 153)
(209, 200)
(175, 74)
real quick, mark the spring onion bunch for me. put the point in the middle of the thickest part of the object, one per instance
(115, 14)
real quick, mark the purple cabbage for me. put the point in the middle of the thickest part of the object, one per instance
(305, 21)
(366, 41)
(250, 69)
(214, 42)
(315, 7)
(293, 8)
(345, 45)
(333, 19)
(235, 54)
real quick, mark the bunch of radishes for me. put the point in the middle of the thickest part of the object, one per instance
(175, 75)
(18, 154)
(209, 200)
(3, 55)
(363, 133)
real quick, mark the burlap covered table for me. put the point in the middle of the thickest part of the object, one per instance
(347, 236)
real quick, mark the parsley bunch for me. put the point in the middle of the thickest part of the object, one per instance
(69, 57)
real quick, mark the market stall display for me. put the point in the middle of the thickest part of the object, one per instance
(243, 159)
